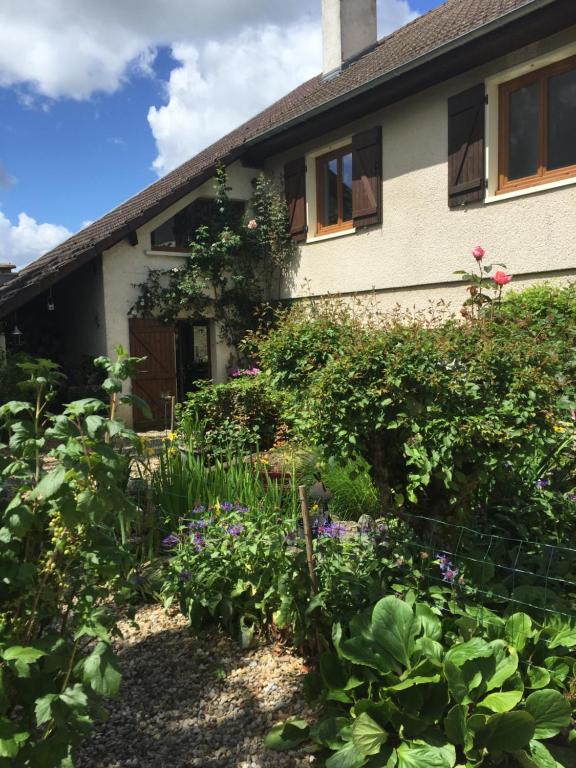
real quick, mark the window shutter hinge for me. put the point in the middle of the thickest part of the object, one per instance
(486, 99)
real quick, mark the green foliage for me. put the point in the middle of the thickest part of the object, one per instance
(61, 568)
(232, 266)
(243, 415)
(409, 685)
(449, 415)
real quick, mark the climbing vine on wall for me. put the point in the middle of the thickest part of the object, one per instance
(234, 265)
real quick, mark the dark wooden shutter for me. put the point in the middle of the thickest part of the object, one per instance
(295, 190)
(156, 376)
(367, 177)
(466, 163)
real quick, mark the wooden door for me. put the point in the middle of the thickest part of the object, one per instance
(155, 381)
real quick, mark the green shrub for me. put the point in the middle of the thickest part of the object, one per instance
(411, 686)
(449, 415)
(62, 566)
(245, 414)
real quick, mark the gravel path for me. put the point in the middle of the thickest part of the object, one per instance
(189, 701)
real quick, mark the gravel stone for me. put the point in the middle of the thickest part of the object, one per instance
(195, 702)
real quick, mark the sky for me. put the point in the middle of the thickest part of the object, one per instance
(99, 99)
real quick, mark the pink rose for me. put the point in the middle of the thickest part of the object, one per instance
(252, 224)
(478, 253)
(501, 278)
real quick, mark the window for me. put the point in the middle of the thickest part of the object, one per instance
(537, 127)
(334, 188)
(179, 231)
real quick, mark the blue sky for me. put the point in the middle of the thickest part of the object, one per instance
(96, 115)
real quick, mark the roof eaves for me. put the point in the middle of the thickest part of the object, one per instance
(507, 17)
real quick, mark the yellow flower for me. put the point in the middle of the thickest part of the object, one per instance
(171, 436)
(558, 428)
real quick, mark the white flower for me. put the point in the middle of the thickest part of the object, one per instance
(252, 224)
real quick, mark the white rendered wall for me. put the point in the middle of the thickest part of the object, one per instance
(124, 267)
(421, 242)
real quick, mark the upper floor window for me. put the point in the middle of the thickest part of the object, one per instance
(179, 231)
(334, 191)
(537, 127)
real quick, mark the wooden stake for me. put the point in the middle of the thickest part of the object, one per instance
(308, 539)
(172, 407)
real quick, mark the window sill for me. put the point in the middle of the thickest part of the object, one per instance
(330, 235)
(178, 254)
(495, 198)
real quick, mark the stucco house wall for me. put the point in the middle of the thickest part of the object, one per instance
(124, 267)
(411, 258)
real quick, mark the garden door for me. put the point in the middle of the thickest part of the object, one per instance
(155, 381)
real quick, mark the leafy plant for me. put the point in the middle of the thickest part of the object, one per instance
(243, 415)
(232, 267)
(61, 569)
(408, 687)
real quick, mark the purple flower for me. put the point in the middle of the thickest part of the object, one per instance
(199, 542)
(184, 575)
(450, 574)
(199, 510)
(241, 510)
(171, 540)
(226, 506)
(572, 497)
(544, 482)
(235, 530)
(136, 579)
(290, 537)
(199, 525)
(332, 530)
(448, 571)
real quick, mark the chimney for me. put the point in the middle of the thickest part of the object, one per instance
(349, 27)
(6, 272)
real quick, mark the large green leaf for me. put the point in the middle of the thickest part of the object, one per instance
(11, 738)
(101, 671)
(394, 628)
(429, 621)
(456, 683)
(536, 756)
(415, 755)
(566, 638)
(287, 736)
(503, 701)
(347, 757)
(506, 732)
(550, 710)
(367, 735)
(506, 664)
(472, 649)
(364, 653)
(455, 724)
(50, 484)
(537, 677)
(22, 657)
(518, 629)
(328, 731)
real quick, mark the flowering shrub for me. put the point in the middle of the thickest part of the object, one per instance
(448, 415)
(409, 686)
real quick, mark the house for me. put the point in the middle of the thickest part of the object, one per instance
(404, 153)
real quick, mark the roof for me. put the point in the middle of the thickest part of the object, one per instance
(421, 37)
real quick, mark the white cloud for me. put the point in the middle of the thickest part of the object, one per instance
(74, 48)
(22, 242)
(218, 85)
